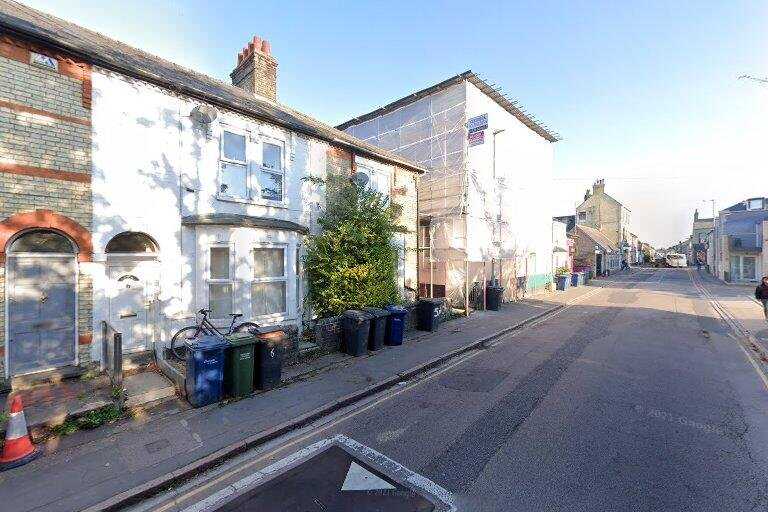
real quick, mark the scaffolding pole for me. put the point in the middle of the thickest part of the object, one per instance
(466, 287)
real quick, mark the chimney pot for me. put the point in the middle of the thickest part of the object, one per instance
(256, 70)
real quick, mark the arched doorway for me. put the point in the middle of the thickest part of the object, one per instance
(133, 276)
(41, 286)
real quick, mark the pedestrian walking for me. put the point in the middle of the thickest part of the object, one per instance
(761, 294)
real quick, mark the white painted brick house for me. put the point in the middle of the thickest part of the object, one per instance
(199, 189)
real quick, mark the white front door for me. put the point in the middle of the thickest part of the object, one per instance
(130, 304)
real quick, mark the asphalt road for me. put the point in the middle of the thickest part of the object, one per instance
(638, 399)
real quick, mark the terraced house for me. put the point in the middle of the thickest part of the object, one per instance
(136, 192)
(45, 206)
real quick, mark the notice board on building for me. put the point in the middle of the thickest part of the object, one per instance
(476, 138)
(477, 123)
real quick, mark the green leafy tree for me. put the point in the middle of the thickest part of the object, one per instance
(352, 263)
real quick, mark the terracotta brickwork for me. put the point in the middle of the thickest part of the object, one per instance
(45, 161)
(339, 162)
(256, 70)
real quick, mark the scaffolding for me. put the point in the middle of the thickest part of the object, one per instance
(432, 130)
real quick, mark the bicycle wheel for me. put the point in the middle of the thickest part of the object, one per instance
(178, 346)
(246, 327)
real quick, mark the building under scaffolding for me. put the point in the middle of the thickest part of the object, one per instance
(484, 208)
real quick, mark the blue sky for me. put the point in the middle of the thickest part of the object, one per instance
(645, 94)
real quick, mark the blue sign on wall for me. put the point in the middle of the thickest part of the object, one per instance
(477, 123)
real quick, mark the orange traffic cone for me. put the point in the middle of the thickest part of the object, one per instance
(18, 449)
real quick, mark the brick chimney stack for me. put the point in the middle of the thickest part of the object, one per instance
(599, 187)
(256, 70)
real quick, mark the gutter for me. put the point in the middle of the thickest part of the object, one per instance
(194, 93)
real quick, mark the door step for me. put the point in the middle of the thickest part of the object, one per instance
(134, 360)
(307, 348)
(147, 387)
(48, 377)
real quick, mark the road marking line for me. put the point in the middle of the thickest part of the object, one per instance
(759, 371)
(360, 479)
(322, 425)
(733, 323)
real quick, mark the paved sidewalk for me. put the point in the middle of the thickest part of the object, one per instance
(740, 302)
(88, 467)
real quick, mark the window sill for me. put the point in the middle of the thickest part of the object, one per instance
(256, 202)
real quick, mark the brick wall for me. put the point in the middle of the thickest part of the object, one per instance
(45, 158)
(338, 162)
(256, 70)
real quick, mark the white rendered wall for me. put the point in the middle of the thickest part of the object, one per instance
(559, 240)
(524, 163)
(151, 167)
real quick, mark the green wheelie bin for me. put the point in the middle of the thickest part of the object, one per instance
(238, 372)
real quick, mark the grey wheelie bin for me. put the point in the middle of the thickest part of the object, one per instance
(378, 327)
(356, 328)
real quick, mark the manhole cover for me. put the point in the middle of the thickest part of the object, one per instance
(333, 475)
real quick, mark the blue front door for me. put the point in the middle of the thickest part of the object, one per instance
(41, 312)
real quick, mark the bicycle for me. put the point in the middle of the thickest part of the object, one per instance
(204, 326)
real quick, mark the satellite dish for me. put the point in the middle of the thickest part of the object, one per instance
(204, 114)
(360, 179)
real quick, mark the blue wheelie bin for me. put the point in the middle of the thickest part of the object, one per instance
(204, 382)
(575, 279)
(395, 325)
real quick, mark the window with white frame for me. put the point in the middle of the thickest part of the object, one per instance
(271, 173)
(377, 180)
(233, 173)
(220, 282)
(251, 179)
(755, 204)
(269, 286)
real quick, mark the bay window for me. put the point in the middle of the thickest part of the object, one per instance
(220, 282)
(268, 289)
